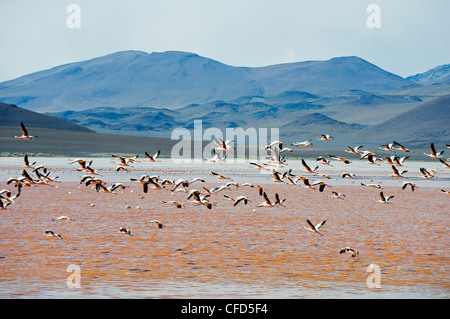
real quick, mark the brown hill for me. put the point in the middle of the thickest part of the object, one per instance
(426, 123)
(12, 115)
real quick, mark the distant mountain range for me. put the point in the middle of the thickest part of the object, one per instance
(302, 120)
(175, 79)
(436, 75)
(136, 93)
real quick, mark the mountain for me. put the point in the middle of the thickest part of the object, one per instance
(331, 76)
(426, 123)
(315, 124)
(435, 75)
(12, 115)
(176, 79)
(246, 111)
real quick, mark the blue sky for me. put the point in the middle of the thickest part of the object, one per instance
(413, 36)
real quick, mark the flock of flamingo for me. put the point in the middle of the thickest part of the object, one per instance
(272, 164)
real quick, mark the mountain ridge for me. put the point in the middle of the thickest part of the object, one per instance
(438, 74)
(175, 79)
(12, 115)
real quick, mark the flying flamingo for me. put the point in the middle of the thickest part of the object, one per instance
(433, 153)
(154, 157)
(384, 199)
(401, 147)
(314, 229)
(351, 250)
(25, 135)
(325, 137)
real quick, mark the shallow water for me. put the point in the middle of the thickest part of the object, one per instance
(229, 251)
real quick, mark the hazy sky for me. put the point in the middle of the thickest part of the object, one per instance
(414, 34)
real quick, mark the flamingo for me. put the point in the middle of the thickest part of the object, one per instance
(396, 173)
(275, 159)
(337, 195)
(198, 199)
(321, 184)
(445, 164)
(260, 189)
(267, 202)
(101, 188)
(142, 180)
(401, 147)
(412, 185)
(387, 147)
(197, 179)
(308, 169)
(384, 199)
(19, 181)
(175, 203)
(278, 201)
(85, 166)
(217, 158)
(178, 183)
(288, 174)
(229, 198)
(89, 179)
(154, 157)
(389, 160)
(433, 153)
(351, 250)
(371, 185)
(372, 158)
(398, 161)
(160, 225)
(28, 178)
(9, 197)
(353, 150)
(341, 159)
(51, 233)
(325, 137)
(279, 144)
(286, 149)
(314, 229)
(306, 182)
(220, 176)
(348, 175)
(223, 146)
(259, 167)
(304, 144)
(426, 174)
(62, 218)
(290, 181)
(3, 205)
(323, 160)
(123, 161)
(6, 192)
(239, 199)
(25, 135)
(27, 162)
(216, 189)
(123, 230)
(276, 177)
